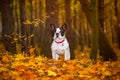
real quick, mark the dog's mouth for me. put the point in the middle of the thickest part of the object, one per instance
(59, 40)
(57, 37)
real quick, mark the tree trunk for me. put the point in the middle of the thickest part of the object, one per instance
(24, 43)
(117, 14)
(106, 51)
(41, 25)
(7, 25)
(31, 18)
(52, 13)
(94, 25)
(75, 22)
(101, 13)
(81, 22)
(70, 32)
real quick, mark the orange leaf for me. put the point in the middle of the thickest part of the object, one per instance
(31, 50)
(28, 76)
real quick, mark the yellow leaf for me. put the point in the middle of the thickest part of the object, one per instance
(19, 57)
(32, 35)
(3, 69)
(15, 73)
(64, 65)
(42, 21)
(103, 69)
(36, 24)
(40, 71)
(5, 59)
(52, 12)
(27, 22)
(107, 73)
(86, 76)
(15, 38)
(51, 73)
(25, 38)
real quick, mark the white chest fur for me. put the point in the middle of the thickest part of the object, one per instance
(61, 48)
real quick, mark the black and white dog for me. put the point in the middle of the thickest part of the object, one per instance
(60, 44)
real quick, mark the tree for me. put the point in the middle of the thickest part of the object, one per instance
(41, 25)
(106, 51)
(101, 12)
(70, 32)
(52, 18)
(24, 43)
(117, 14)
(7, 25)
(94, 25)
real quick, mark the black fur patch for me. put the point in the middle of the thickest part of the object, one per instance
(62, 32)
(62, 28)
(53, 32)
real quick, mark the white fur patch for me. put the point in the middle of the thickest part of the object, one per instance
(60, 47)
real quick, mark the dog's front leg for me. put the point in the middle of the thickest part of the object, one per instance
(67, 54)
(55, 55)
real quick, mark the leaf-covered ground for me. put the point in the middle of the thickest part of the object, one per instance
(19, 67)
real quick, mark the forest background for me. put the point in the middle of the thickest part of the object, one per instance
(93, 32)
(93, 26)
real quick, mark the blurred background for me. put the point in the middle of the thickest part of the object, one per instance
(93, 26)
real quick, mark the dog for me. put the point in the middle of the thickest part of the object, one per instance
(60, 45)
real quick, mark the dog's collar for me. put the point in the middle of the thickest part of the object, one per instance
(60, 41)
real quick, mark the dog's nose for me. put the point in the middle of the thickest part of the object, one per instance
(57, 34)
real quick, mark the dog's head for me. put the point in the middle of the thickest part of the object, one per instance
(58, 33)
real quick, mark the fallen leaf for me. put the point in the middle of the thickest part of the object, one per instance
(5, 59)
(51, 73)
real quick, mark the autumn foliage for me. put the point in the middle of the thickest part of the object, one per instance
(21, 67)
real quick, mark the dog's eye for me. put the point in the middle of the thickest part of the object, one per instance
(62, 33)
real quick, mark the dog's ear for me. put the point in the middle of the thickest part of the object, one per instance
(52, 27)
(64, 27)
